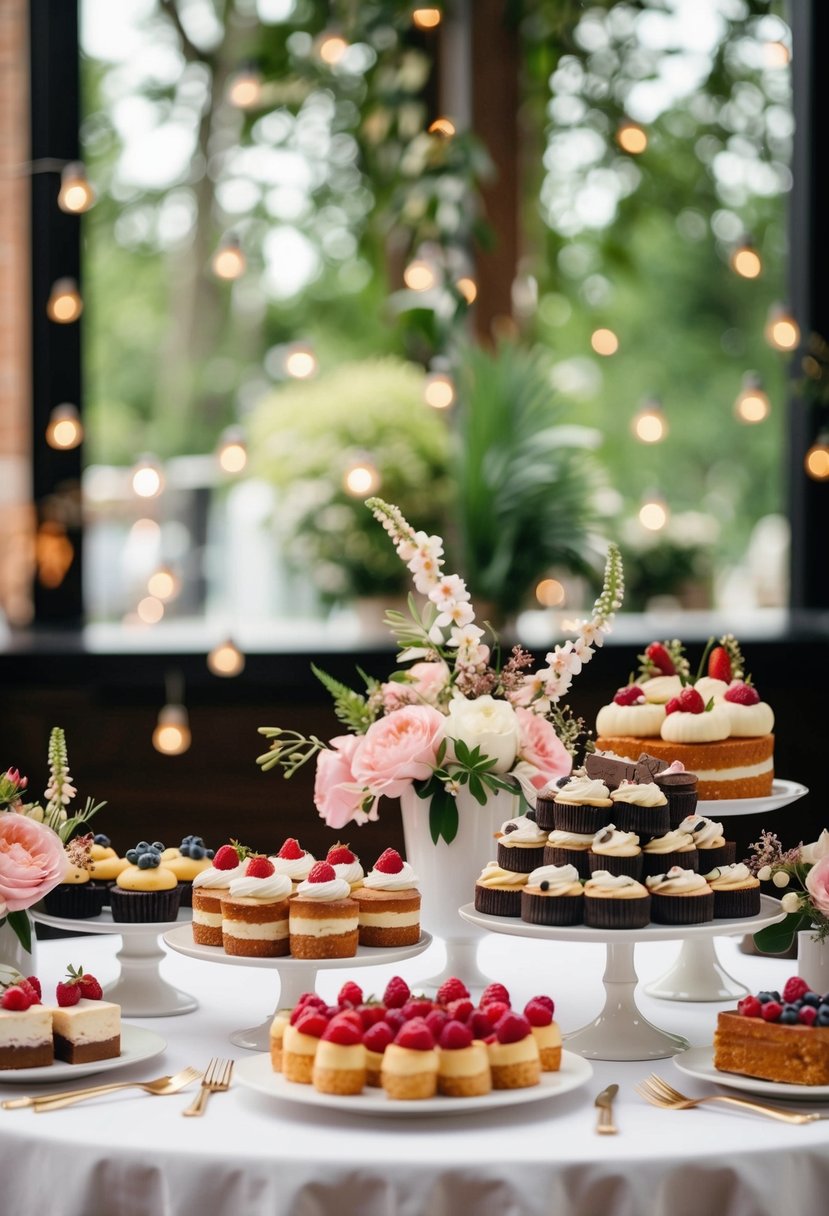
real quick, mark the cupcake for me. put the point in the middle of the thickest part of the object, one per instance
(569, 849)
(106, 864)
(553, 896)
(615, 852)
(146, 890)
(674, 848)
(680, 788)
(463, 1062)
(712, 847)
(582, 806)
(389, 903)
(255, 912)
(640, 808)
(323, 920)
(77, 897)
(545, 804)
(346, 865)
(410, 1064)
(498, 891)
(294, 861)
(680, 897)
(736, 891)
(615, 901)
(340, 1061)
(210, 886)
(514, 1058)
(520, 844)
(188, 860)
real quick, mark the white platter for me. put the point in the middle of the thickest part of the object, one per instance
(698, 1062)
(782, 793)
(180, 939)
(137, 1044)
(256, 1073)
(105, 924)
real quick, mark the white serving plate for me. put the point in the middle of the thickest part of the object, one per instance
(782, 793)
(256, 1072)
(180, 939)
(698, 1062)
(137, 1044)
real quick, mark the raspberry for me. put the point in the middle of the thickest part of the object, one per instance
(30, 990)
(290, 850)
(35, 983)
(394, 1018)
(312, 1022)
(690, 702)
(479, 1024)
(771, 1011)
(546, 1000)
(350, 994)
(378, 1037)
(321, 872)
(455, 1036)
(370, 1015)
(461, 1009)
(436, 1019)
(415, 1035)
(16, 999)
(340, 855)
(226, 858)
(537, 1013)
(631, 694)
(259, 867)
(807, 1015)
(794, 989)
(342, 1030)
(90, 988)
(389, 862)
(397, 993)
(749, 1007)
(417, 1007)
(311, 998)
(511, 1028)
(450, 990)
(68, 994)
(742, 694)
(494, 992)
(495, 1010)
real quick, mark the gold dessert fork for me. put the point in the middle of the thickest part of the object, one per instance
(659, 1093)
(215, 1081)
(160, 1086)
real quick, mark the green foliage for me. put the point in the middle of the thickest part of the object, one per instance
(349, 706)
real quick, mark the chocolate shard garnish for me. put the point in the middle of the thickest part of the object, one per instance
(612, 770)
(647, 767)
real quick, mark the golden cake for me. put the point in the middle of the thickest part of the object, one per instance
(210, 887)
(323, 921)
(725, 768)
(410, 1064)
(340, 1061)
(389, 903)
(773, 1051)
(255, 912)
(463, 1063)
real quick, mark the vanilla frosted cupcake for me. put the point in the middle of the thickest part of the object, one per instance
(616, 852)
(615, 901)
(389, 903)
(674, 848)
(736, 891)
(582, 805)
(553, 896)
(77, 897)
(255, 912)
(520, 844)
(569, 849)
(680, 897)
(640, 807)
(709, 840)
(498, 891)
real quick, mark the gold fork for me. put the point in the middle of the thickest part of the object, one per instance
(160, 1086)
(659, 1093)
(215, 1081)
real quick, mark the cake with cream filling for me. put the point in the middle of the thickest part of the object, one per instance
(25, 1024)
(323, 920)
(389, 903)
(255, 912)
(777, 1037)
(87, 1031)
(210, 887)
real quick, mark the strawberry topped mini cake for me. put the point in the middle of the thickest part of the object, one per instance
(323, 920)
(340, 1060)
(410, 1064)
(389, 903)
(255, 912)
(294, 861)
(514, 1057)
(210, 886)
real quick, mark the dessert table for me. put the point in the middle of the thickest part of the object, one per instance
(130, 1154)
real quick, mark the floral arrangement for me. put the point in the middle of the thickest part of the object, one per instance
(453, 718)
(805, 871)
(32, 837)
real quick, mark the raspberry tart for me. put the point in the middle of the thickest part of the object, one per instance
(389, 903)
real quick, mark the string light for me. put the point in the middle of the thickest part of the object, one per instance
(604, 342)
(550, 593)
(172, 735)
(229, 262)
(419, 275)
(361, 478)
(468, 289)
(300, 362)
(816, 460)
(164, 584)
(781, 331)
(147, 478)
(244, 88)
(439, 391)
(150, 610)
(65, 430)
(64, 304)
(232, 452)
(745, 260)
(653, 513)
(752, 404)
(631, 138)
(443, 127)
(76, 194)
(226, 659)
(649, 423)
(426, 18)
(331, 48)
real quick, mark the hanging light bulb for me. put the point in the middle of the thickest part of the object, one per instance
(331, 46)
(300, 362)
(232, 452)
(164, 584)
(550, 593)
(361, 477)
(226, 659)
(745, 260)
(816, 460)
(443, 127)
(64, 304)
(468, 289)
(426, 18)
(752, 403)
(172, 735)
(649, 423)
(228, 262)
(439, 391)
(631, 138)
(604, 342)
(76, 194)
(653, 513)
(419, 275)
(147, 477)
(781, 331)
(244, 88)
(65, 430)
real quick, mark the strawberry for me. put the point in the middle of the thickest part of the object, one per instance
(689, 701)
(312, 1022)
(719, 665)
(340, 855)
(417, 1007)
(91, 990)
(35, 983)
(512, 1028)
(397, 993)
(16, 999)
(68, 993)
(394, 1018)
(378, 1037)
(450, 990)
(341, 1029)
(742, 694)
(495, 1010)
(350, 994)
(321, 872)
(455, 1036)
(389, 862)
(415, 1035)
(460, 1009)
(537, 1013)
(436, 1019)
(494, 992)
(631, 694)
(226, 858)
(259, 867)
(290, 850)
(479, 1024)
(658, 656)
(371, 1014)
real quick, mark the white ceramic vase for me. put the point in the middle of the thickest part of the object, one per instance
(813, 961)
(12, 953)
(447, 872)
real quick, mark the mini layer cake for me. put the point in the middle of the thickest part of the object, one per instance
(463, 1063)
(25, 1027)
(539, 1012)
(340, 1061)
(389, 903)
(785, 1040)
(323, 920)
(294, 861)
(514, 1056)
(520, 844)
(210, 887)
(410, 1064)
(255, 912)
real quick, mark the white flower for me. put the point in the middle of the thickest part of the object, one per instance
(790, 902)
(810, 853)
(565, 659)
(451, 589)
(583, 649)
(459, 614)
(488, 724)
(465, 637)
(452, 787)
(764, 873)
(592, 634)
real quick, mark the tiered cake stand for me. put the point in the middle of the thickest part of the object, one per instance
(621, 1031)
(296, 975)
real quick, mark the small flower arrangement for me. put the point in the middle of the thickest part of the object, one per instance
(804, 870)
(453, 718)
(32, 837)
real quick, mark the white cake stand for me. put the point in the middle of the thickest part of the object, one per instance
(296, 975)
(697, 974)
(621, 1031)
(139, 989)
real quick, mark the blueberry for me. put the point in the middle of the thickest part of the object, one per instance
(101, 839)
(158, 846)
(197, 852)
(811, 998)
(789, 1016)
(187, 839)
(822, 1018)
(197, 839)
(145, 861)
(154, 854)
(765, 997)
(210, 854)
(142, 846)
(798, 1004)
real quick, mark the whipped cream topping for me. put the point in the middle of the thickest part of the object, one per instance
(643, 794)
(640, 721)
(521, 831)
(558, 880)
(376, 880)
(213, 878)
(584, 790)
(493, 875)
(569, 840)
(351, 871)
(270, 889)
(708, 727)
(611, 842)
(659, 689)
(706, 833)
(324, 892)
(708, 687)
(749, 720)
(677, 882)
(671, 842)
(296, 868)
(737, 875)
(618, 885)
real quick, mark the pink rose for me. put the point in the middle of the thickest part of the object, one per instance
(399, 749)
(817, 884)
(337, 796)
(540, 746)
(429, 680)
(32, 860)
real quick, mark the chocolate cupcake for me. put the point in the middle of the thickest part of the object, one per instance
(615, 901)
(568, 849)
(680, 897)
(615, 852)
(736, 891)
(582, 805)
(520, 844)
(712, 847)
(674, 848)
(146, 890)
(498, 891)
(640, 808)
(77, 897)
(545, 803)
(553, 896)
(680, 788)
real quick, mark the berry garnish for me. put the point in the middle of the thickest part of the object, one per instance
(742, 694)
(479, 1024)
(378, 1037)
(350, 994)
(290, 850)
(259, 867)
(495, 1010)
(455, 1036)
(311, 998)
(30, 990)
(226, 858)
(341, 1029)
(370, 1015)
(417, 1007)
(436, 1019)
(512, 1027)
(771, 1011)
(397, 993)
(460, 1009)
(312, 1022)
(719, 665)
(340, 855)
(394, 1018)
(807, 1015)
(750, 1007)
(389, 862)
(450, 990)
(794, 988)
(415, 1035)
(17, 999)
(494, 992)
(546, 1000)
(67, 993)
(91, 990)
(631, 694)
(658, 657)
(321, 872)
(537, 1013)
(689, 701)
(35, 983)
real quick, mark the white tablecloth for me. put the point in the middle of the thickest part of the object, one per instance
(134, 1155)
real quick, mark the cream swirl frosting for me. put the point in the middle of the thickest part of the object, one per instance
(569, 840)
(640, 721)
(708, 687)
(708, 727)
(677, 882)
(611, 842)
(215, 879)
(643, 794)
(748, 721)
(619, 886)
(351, 871)
(672, 842)
(659, 689)
(521, 831)
(494, 875)
(559, 880)
(296, 868)
(580, 790)
(737, 875)
(324, 892)
(706, 833)
(376, 880)
(270, 889)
